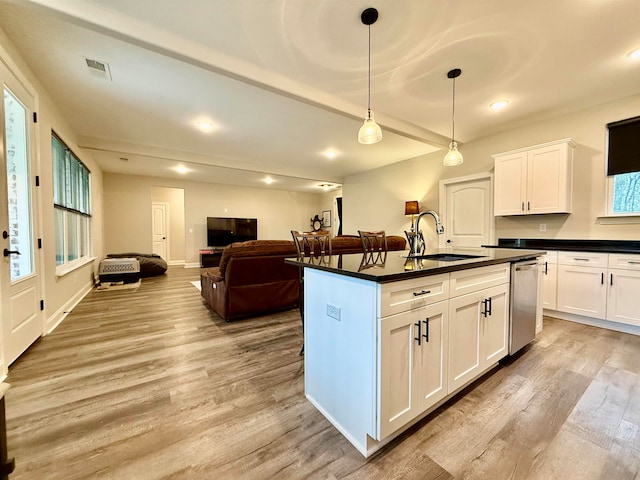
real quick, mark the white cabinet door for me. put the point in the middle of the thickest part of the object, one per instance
(582, 290)
(478, 333)
(534, 180)
(510, 184)
(464, 339)
(549, 179)
(623, 301)
(398, 341)
(413, 357)
(431, 360)
(549, 285)
(494, 325)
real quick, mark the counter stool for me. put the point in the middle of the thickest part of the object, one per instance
(312, 247)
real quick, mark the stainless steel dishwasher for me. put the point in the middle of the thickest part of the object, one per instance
(524, 304)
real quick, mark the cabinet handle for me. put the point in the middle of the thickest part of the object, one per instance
(631, 262)
(423, 292)
(580, 259)
(484, 307)
(611, 278)
(546, 268)
(602, 278)
(426, 329)
(523, 206)
(419, 337)
(528, 206)
(489, 301)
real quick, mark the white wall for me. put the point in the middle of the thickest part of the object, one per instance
(59, 293)
(128, 211)
(375, 199)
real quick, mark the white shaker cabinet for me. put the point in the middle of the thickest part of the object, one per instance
(534, 180)
(413, 356)
(582, 288)
(478, 322)
(549, 270)
(623, 300)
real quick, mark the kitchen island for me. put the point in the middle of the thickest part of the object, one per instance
(388, 339)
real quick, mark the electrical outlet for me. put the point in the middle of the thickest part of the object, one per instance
(543, 227)
(333, 311)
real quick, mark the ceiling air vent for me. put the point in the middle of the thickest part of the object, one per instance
(98, 69)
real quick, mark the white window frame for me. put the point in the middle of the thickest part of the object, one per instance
(609, 207)
(82, 236)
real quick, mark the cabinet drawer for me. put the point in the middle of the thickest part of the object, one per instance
(475, 279)
(585, 259)
(624, 261)
(406, 295)
(550, 257)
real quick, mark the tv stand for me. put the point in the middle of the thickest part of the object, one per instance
(210, 256)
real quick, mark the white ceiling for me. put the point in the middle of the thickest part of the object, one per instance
(285, 80)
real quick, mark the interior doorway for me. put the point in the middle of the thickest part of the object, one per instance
(168, 224)
(466, 205)
(337, 214)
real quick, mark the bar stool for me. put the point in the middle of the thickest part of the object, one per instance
(313, 248)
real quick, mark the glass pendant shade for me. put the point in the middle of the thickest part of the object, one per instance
(453, 156)
(370, 132)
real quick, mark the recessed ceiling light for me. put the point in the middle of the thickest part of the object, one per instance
(326, 186)
(330, 153)
(499, 105)
(205, 126)
(181, 169)
(268, 180)
(635, 54)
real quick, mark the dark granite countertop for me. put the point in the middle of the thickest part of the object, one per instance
(603, 246)
(397, 266)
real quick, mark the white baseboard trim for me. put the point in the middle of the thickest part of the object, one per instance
(59, 315)
(175, 262)
(191, 265)
(594, 322)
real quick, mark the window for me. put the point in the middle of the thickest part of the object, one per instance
(623, 167)
(625, 196)
(72, 205)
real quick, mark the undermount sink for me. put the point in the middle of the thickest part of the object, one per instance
(445, 257)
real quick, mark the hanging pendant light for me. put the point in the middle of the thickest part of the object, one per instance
(453, 156)
(370, 131)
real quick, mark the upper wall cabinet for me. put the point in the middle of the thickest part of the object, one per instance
(534, 179)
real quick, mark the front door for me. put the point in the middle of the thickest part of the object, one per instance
(19, 267)
(467, 207)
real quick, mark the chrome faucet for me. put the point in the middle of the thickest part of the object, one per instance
(439, 228)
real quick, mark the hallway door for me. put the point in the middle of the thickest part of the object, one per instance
(467, 206)
(160, 229)
(20, 312)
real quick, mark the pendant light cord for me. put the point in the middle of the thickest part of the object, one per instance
(453, 112)
(369, 78)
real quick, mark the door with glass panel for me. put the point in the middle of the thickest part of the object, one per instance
(19, 282)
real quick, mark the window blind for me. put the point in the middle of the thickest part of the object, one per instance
(623, 146)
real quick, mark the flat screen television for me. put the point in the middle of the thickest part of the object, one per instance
(222, 231)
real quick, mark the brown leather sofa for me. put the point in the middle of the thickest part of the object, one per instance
(253, 278)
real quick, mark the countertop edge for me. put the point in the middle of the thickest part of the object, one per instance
(406, 275)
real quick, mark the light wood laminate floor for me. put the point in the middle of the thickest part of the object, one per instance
(149, 384)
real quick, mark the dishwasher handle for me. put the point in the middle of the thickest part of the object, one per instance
(528, 266)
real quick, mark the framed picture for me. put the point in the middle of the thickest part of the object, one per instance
(326, 218)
